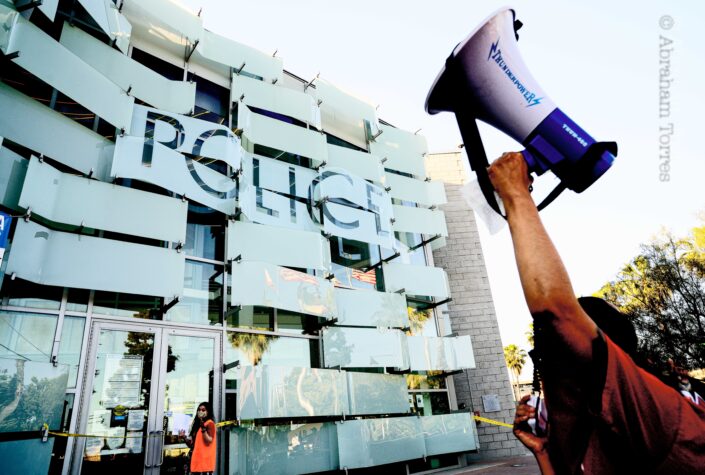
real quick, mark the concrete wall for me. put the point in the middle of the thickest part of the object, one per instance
(472, 311)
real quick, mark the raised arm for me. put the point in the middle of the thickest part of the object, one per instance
(545, 282)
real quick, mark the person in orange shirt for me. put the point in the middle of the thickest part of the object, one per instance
(203, 435)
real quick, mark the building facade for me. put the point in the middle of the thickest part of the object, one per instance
(189, 222)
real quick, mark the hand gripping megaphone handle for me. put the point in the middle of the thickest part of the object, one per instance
(479, 163)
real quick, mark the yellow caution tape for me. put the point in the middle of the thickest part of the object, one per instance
(225, 424)
(491, 421)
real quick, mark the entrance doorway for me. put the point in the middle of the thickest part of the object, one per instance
(144, 383)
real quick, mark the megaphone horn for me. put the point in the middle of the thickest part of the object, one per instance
(485, 78)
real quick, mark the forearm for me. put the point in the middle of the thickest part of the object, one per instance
(544, 279)
(544, 463)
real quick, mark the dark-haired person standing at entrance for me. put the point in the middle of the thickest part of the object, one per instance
(203, 435)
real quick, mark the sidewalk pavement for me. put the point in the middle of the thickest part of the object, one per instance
(521, 465)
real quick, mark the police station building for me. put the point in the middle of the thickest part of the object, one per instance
(183, 220)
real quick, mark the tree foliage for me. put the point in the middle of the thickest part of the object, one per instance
(662, 290)
(515, 358)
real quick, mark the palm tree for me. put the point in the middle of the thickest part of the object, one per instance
(530, 334)
(515, 358)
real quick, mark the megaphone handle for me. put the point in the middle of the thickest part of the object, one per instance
(477, 157)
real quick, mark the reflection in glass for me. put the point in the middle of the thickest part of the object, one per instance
(283, 450)
(268, 392)
(22, 293)
(409, 240)
(31, 393)
(125, 305)
(203, 295)
(254, 318)
(26, 336)
(58, 454)
(368, 442)
(428, 404)
(118, 408)
(291, 322)
(70, 347)
(421, 322)
(430, 380)
(205, 233)
(249, 349)
(189, 381)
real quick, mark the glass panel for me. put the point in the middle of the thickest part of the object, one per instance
(265, 95)
(439, 353)
(255, 318)
(261, 130)
(464, 355)
(357, 224)
(58, 454)
(430, 380)
(419, 220)
(118, 407)
(165, 20)
(69, 199)
(434, 463)
(284, 247)
(203, 295)
(354, 278)
(70, 347)
(427, 404)
(45, 131)
(21, 293)
(258, 283)
(416, 191)
(205, 233)
(448, 433)
(33, 455)
(364, 348)
(126, 305)
(52, 63)
(153, 155)
(369, 442)
(405, 241)
(290, 322)
(421, 322)
(277, 391)
(32, 393)
(143, 83)
(416, 280)
(369, 308)
(283, 450)
(27, 336)
(49, 257)
(109, 19)
(377, 393)
(227, 52)
(362, 164)
(342, 102)
(247, 349)
(189, 381)
(48, 7)
(13, 169)
(404, 151)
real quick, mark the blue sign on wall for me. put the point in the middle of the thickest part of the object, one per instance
(5, 222)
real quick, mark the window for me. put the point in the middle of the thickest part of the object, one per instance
(203, 295)
(27, 336)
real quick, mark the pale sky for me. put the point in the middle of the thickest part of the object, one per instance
(599, 62)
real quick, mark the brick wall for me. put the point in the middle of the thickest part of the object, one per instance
(472, 311)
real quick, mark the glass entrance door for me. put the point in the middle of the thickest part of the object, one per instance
(143, 387)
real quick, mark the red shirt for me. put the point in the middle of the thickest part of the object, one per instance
(610, 416)
(643, 423)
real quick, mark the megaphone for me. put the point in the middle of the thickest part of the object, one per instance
(485, 78)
